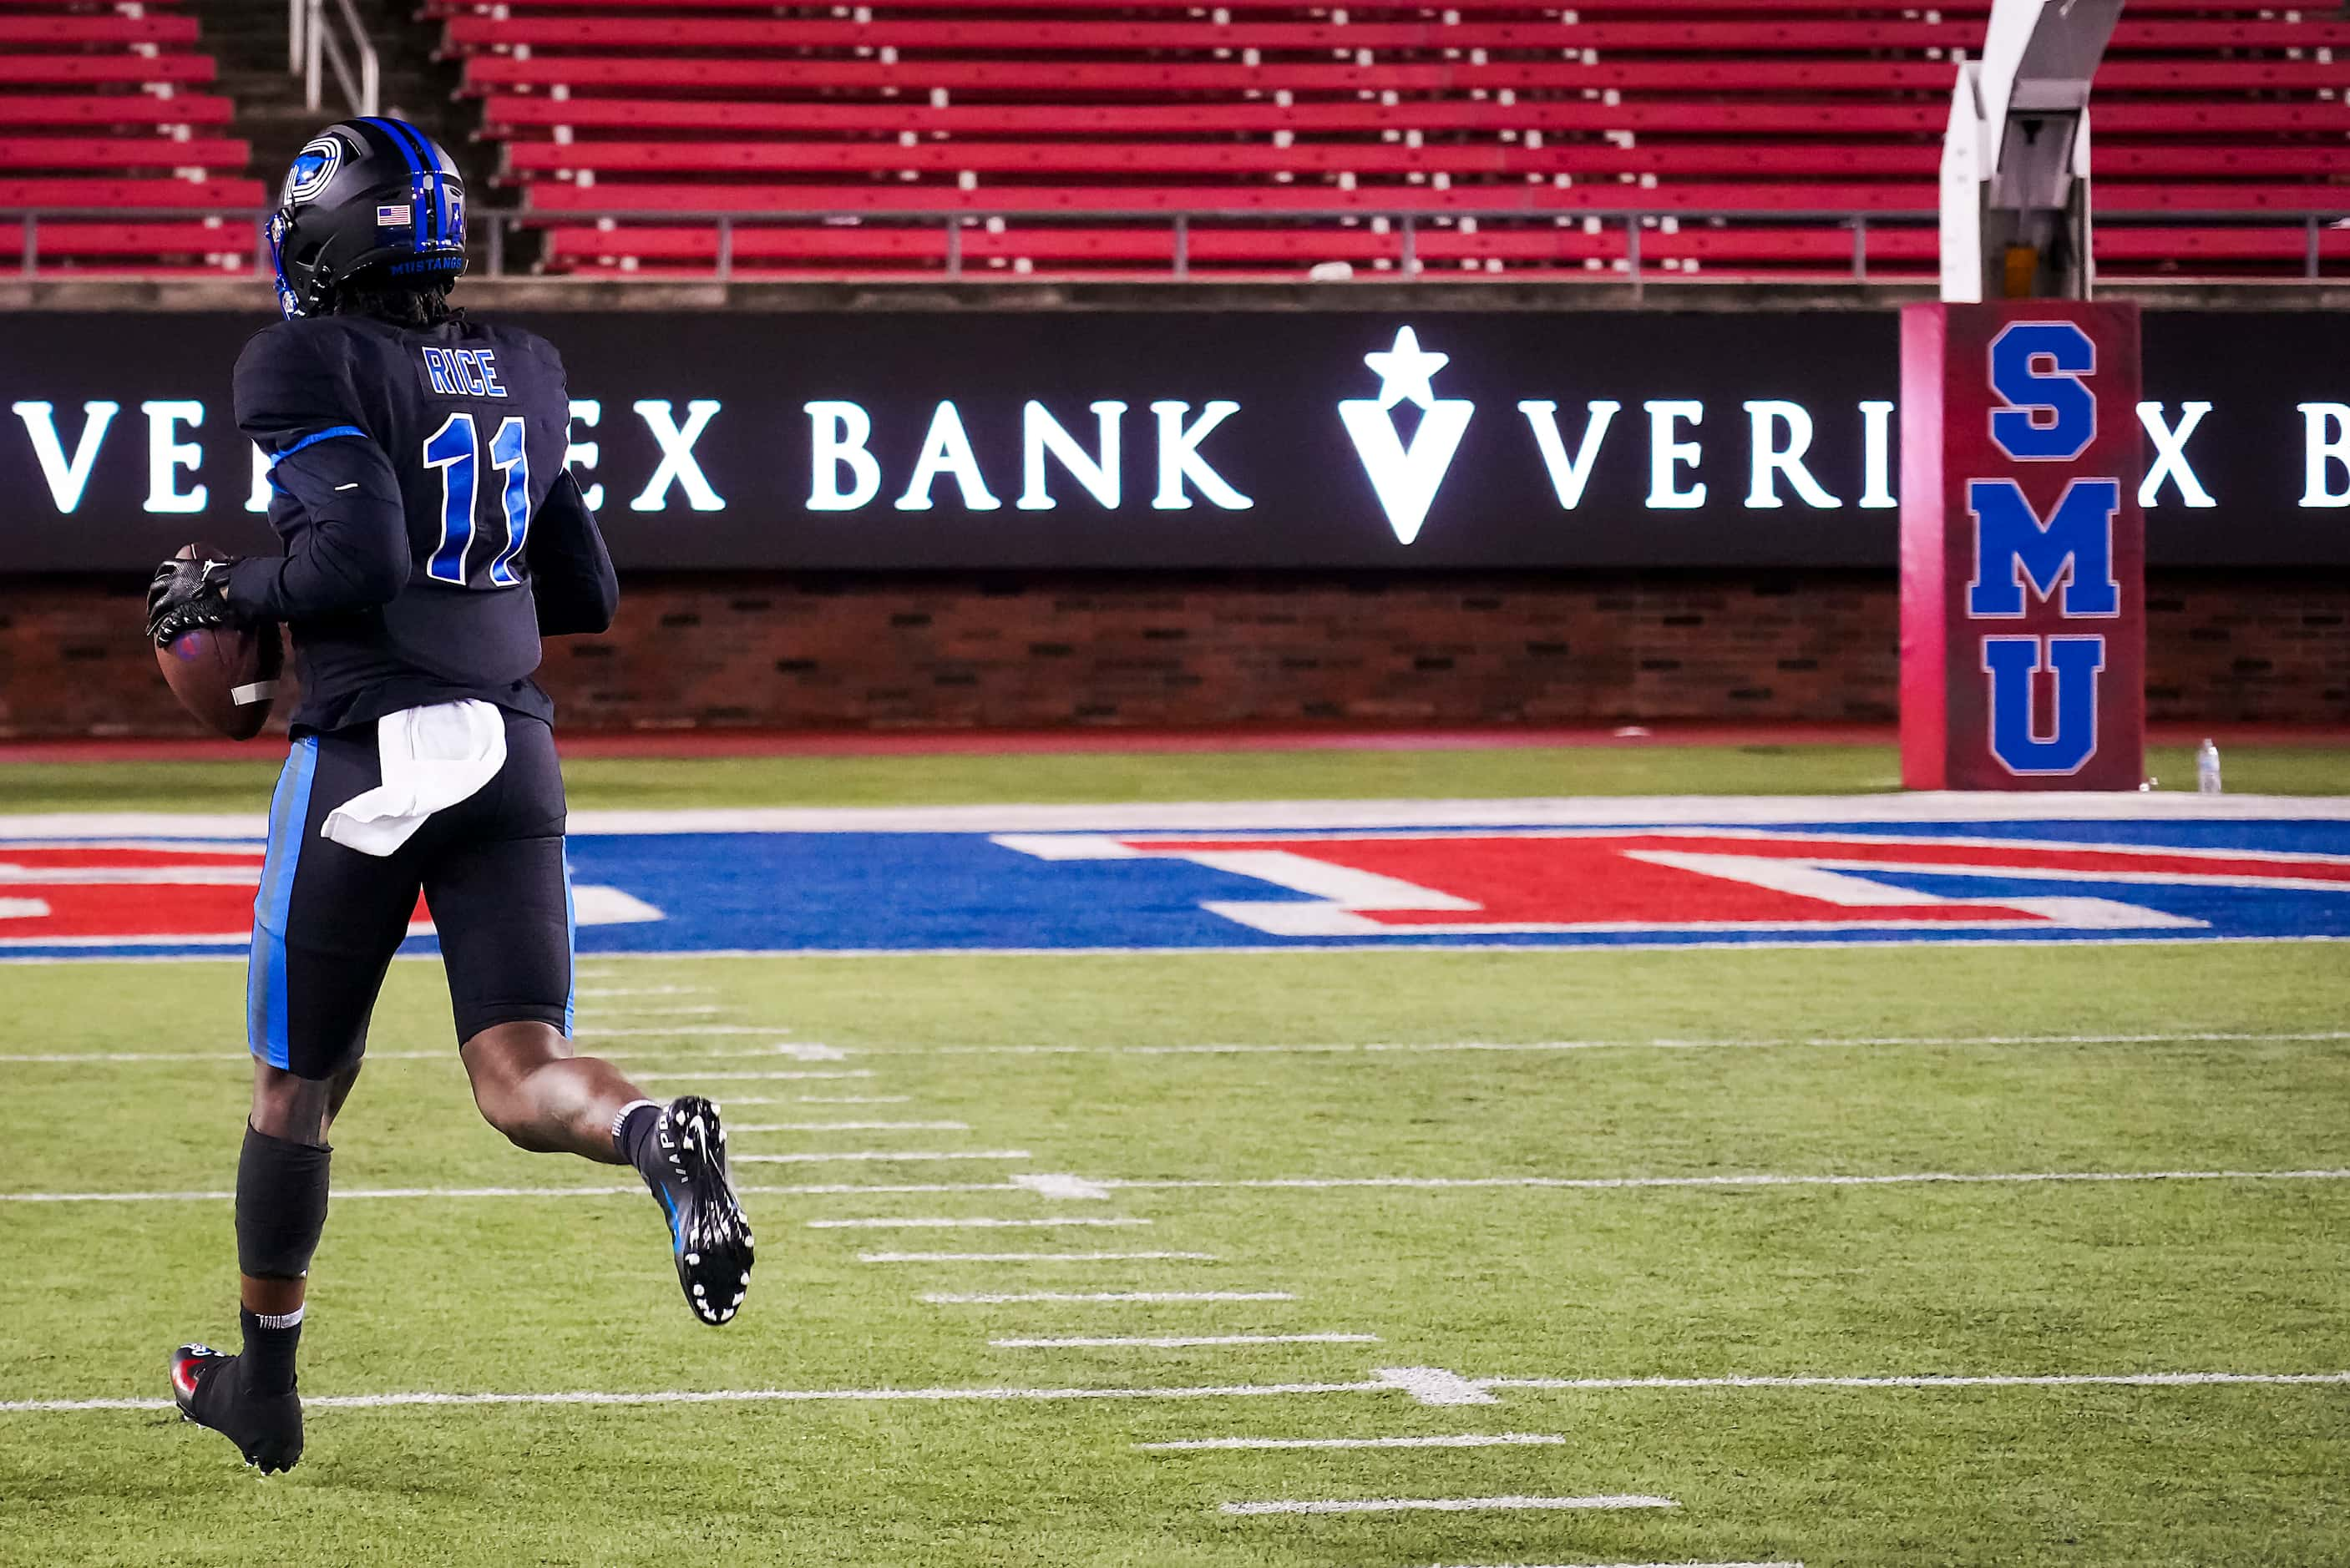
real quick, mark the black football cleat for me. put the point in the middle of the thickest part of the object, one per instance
(710, 1235)
(267, 1428)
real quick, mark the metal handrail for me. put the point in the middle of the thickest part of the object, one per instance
(1180, 223)
(311, 44)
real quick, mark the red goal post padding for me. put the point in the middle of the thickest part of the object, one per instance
(2023, 547)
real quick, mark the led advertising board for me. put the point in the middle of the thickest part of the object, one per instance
(860, 441)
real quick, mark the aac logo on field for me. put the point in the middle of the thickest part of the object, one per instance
(1613, 883)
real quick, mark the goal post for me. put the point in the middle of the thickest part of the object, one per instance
(2015, 157)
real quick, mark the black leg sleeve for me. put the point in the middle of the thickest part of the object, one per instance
(281, 1206)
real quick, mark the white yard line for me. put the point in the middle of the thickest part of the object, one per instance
(699, 1077)
(849, 1127)
(836, 1100)
(78, 1057)
(688, 1050)
(643, 991)
(1292, 815)
(725, 1396)
(1448, 1440)
(823, 1189)
(2048, 1380)
(977, 1223)
(1443, 1504)
(674, 1068)
(999, 1298)
(797, 1052)
(1033, 1256)
(1219, 1391)
(602, 1017)
(895, 1156)
(683, 1062)
(856, 1189)
(685, 1029)
(222, 1057)
(1322, 1048)
(1181, 1342)
(1605, 1183)
(1295, 1183)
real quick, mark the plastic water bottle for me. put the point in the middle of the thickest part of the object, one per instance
(2207, 768)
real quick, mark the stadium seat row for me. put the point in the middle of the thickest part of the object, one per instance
(1122, 115)
(129, 171)
(646, 136)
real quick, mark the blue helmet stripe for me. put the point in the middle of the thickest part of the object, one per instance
(431, 168)
(402, 138)
(425, 163)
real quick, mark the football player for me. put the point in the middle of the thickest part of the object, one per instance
(432, 536)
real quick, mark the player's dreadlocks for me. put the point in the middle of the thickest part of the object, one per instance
(402, 304)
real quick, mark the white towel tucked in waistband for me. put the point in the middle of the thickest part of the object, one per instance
(433, 758)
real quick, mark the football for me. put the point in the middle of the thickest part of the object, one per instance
(225, 675)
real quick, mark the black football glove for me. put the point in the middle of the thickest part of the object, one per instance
(186, 595)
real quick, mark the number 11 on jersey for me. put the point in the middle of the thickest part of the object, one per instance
(456, 450)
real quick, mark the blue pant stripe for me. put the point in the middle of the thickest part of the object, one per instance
(289, 811)
(571, 944)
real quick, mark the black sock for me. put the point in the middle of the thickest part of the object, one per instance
(633, 1136)
(267, 1364)
(281, 1210)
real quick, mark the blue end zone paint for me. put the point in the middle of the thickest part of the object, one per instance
(940, 891)
(788, 892)
(265, 982)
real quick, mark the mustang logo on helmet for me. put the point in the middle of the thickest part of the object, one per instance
(313, 167)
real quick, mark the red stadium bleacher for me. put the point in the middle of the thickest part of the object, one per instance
(108, 163)
(1721, 137)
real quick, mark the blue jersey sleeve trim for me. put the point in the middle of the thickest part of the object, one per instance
(329, 433)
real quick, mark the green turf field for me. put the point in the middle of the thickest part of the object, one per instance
(1407, 1163)
(656, 782)
(572, 1294)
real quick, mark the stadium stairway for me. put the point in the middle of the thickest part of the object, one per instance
(248, 41)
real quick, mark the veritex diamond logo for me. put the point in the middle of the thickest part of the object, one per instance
(1406, 477)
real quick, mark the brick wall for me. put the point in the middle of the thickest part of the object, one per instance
(1034, 651)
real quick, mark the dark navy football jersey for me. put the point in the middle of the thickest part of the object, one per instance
(431, 530)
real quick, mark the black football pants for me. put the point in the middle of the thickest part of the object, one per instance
(328, 918)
